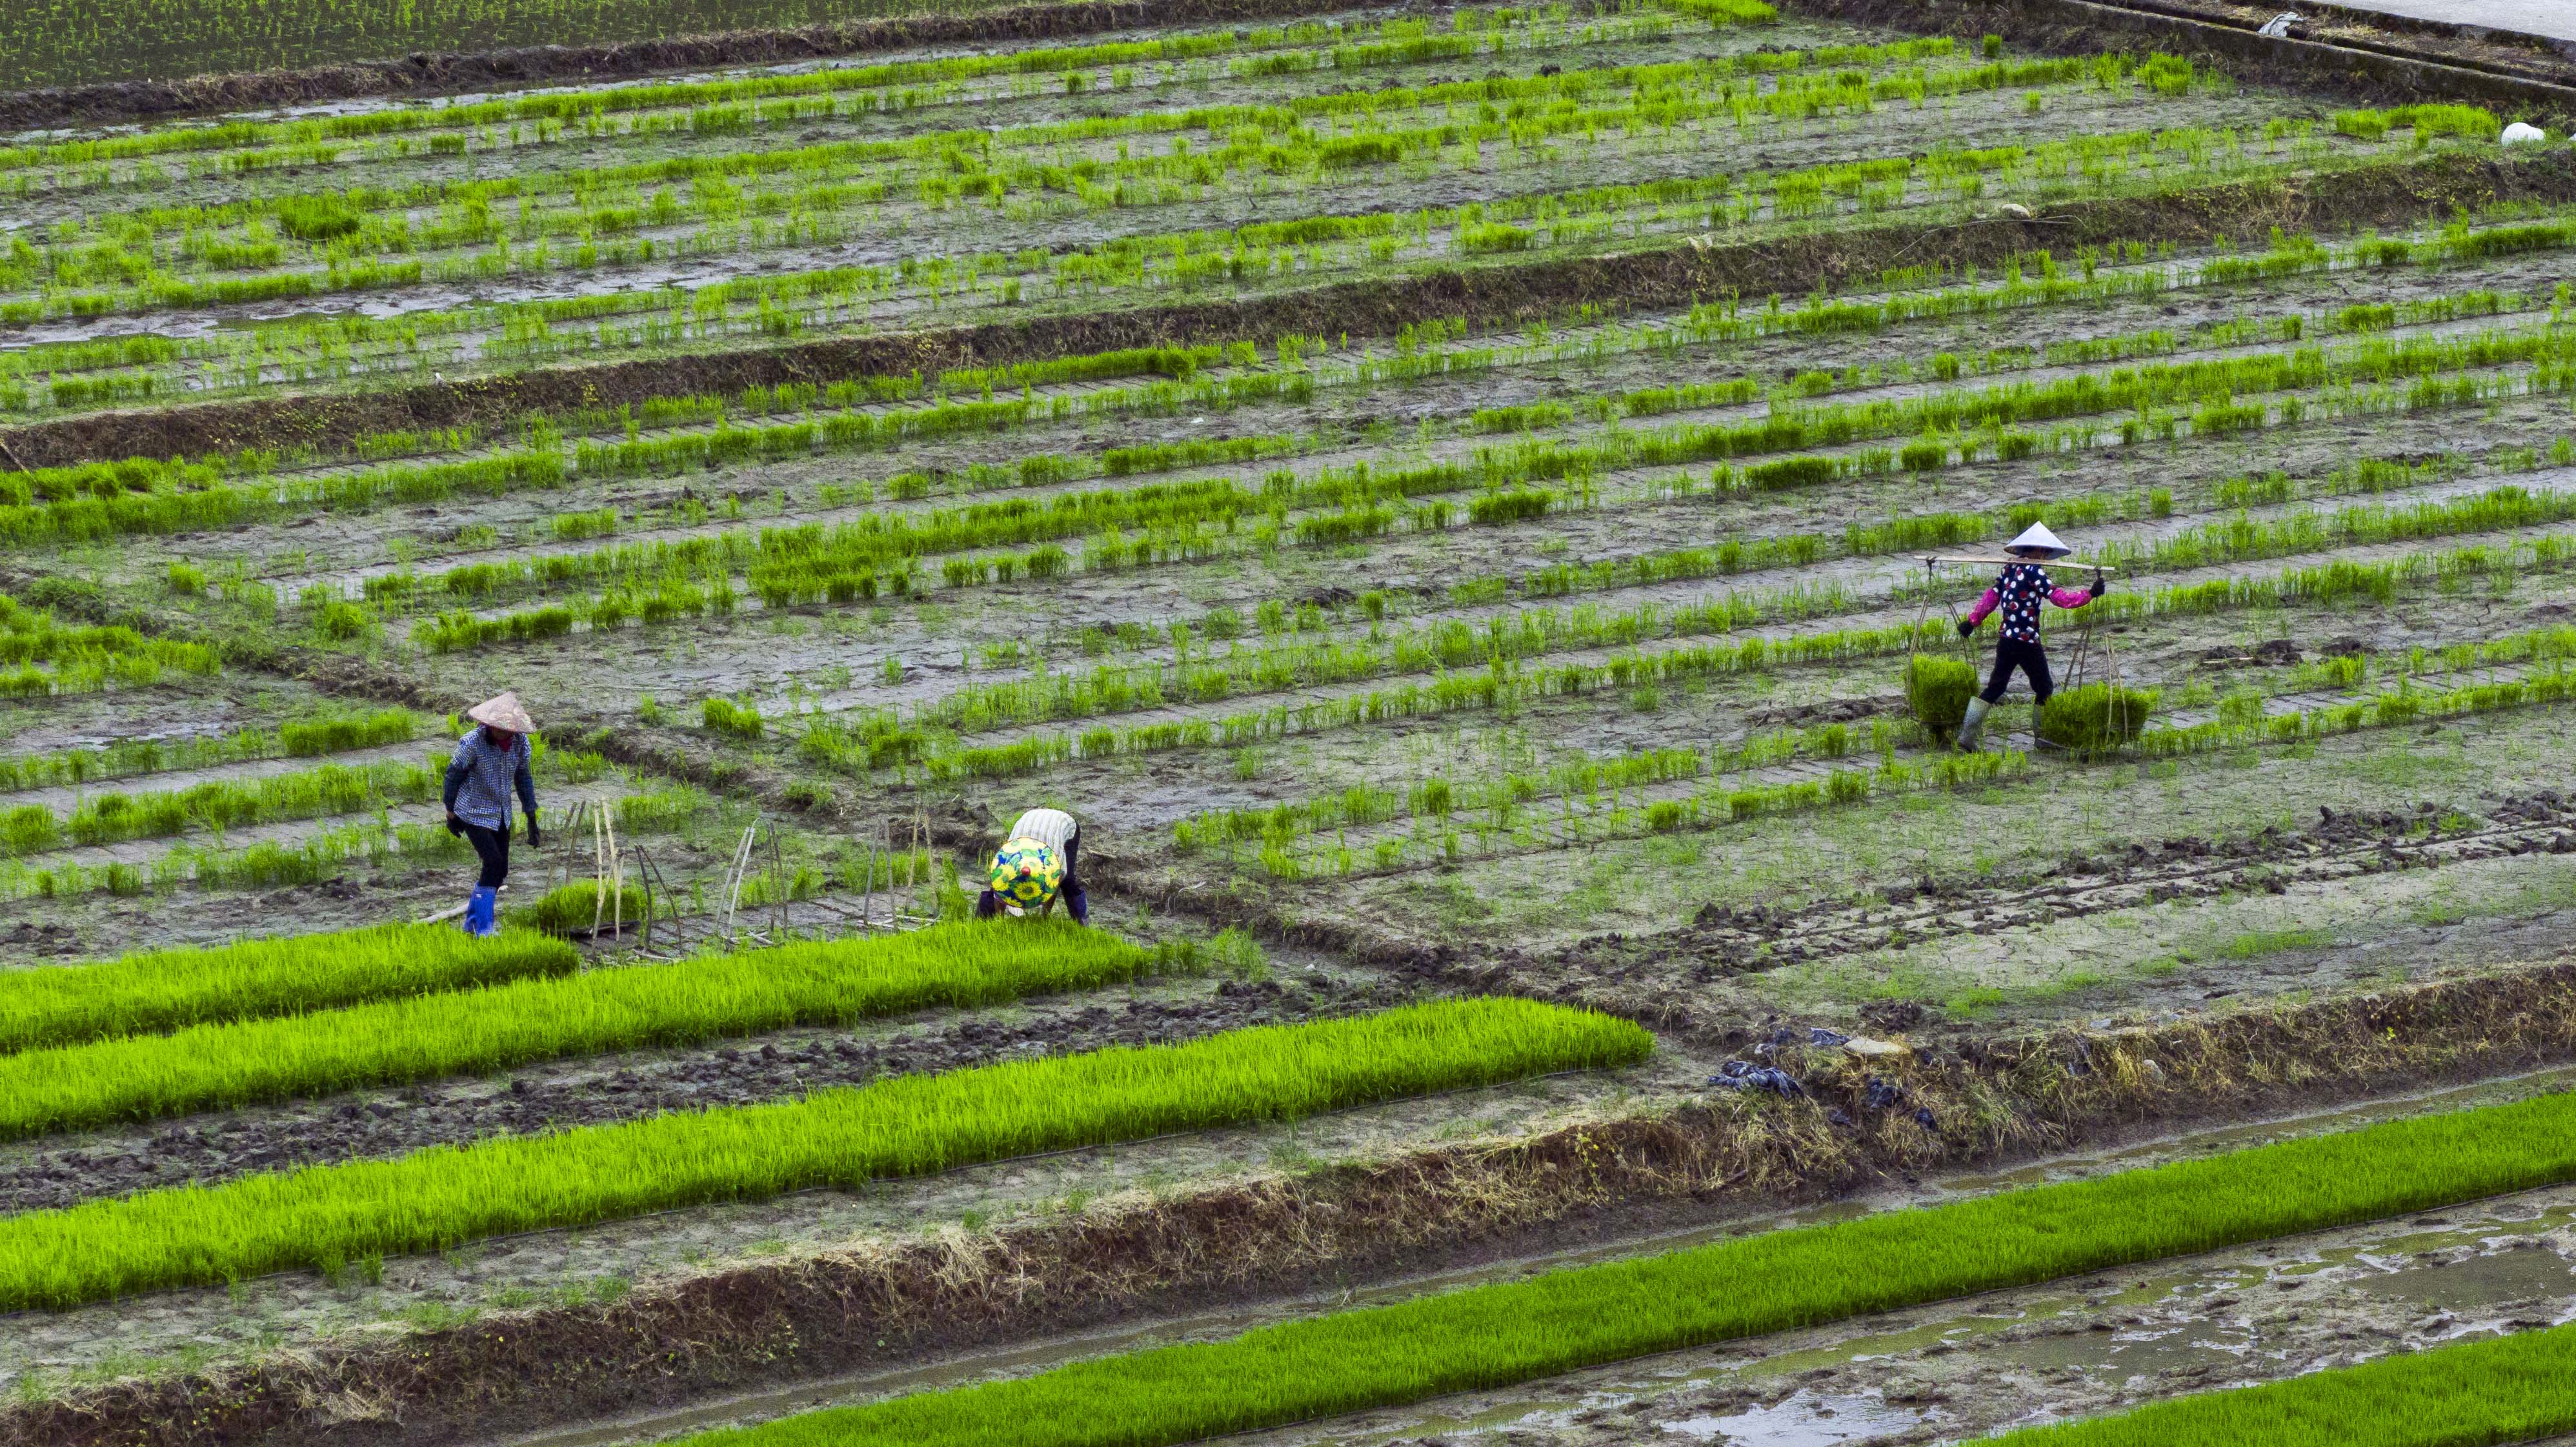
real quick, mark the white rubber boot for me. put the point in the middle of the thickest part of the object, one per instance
(1974, 725)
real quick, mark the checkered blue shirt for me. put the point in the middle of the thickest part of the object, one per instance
(482, 795)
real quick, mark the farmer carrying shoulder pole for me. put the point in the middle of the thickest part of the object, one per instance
(2018, 591)
(490, 763)
(1035, 867)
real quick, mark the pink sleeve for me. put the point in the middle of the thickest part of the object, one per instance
(1985, 605)
(2070, 597)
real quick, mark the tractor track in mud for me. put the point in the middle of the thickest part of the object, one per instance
(594, 1091)
(676, 1342)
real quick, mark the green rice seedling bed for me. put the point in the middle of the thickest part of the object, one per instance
(311, 858)
(631, 1008)
(171, 989)
(1510, 827)
(328, 1216)
(1491, 1336)
(109, 817)
(1591, 799)
(327, 733)
(878, 554)
(53, 45)
(260, 248)
(871, 742)
(89, 374)
(1526, 636)
(768, 100)
(41, 657)
(70, 504)
(219, 804)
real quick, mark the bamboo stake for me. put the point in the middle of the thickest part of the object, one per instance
(598, 868)
(616, 878)
(868, 899)
(778, 888)
(741, 864)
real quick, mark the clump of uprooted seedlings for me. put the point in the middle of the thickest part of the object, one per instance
(585, 904)
(1938, 690)
(2097, 718)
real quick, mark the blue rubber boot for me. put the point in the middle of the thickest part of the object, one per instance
(478, 912)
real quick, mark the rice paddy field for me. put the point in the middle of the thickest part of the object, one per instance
(1470, 507)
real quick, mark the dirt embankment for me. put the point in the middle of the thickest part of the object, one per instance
(1486, 296)
(780, 1322)
(2472, 47)
(452, 72)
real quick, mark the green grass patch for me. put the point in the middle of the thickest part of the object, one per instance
(642, 1006)
(168, 989)
(1491, 1336)
(328, 1216)
(2254, 943)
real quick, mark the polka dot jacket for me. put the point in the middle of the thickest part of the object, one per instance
(2018, 593)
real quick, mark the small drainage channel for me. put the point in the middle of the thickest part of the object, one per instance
(1800, 1417)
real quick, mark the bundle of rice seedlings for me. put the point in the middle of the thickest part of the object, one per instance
(1938, 690)
(2097, 718)
(579, 904)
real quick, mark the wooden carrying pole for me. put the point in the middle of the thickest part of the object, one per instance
(2078, 564)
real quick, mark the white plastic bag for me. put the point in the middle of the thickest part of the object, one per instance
(2519, 134)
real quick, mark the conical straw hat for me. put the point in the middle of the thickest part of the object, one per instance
(504, 713)
(2037, 538)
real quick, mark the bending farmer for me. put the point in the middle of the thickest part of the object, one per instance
(2018, 592)
(1035, 866)
(489, 764)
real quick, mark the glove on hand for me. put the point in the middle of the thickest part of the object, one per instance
(1966, 627)
(2101, 585)
(455, 825)
(533, 840)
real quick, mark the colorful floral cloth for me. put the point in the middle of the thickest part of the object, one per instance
(2018, 592)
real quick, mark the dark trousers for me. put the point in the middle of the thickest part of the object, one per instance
(492, 846)
(1076, 903)
(2030, 658)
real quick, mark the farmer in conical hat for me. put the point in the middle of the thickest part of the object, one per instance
(1035, 867)
(490, 763)
(2018, 591)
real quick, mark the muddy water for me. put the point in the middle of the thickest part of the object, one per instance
(2038, 1355)
(2399, 1267)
